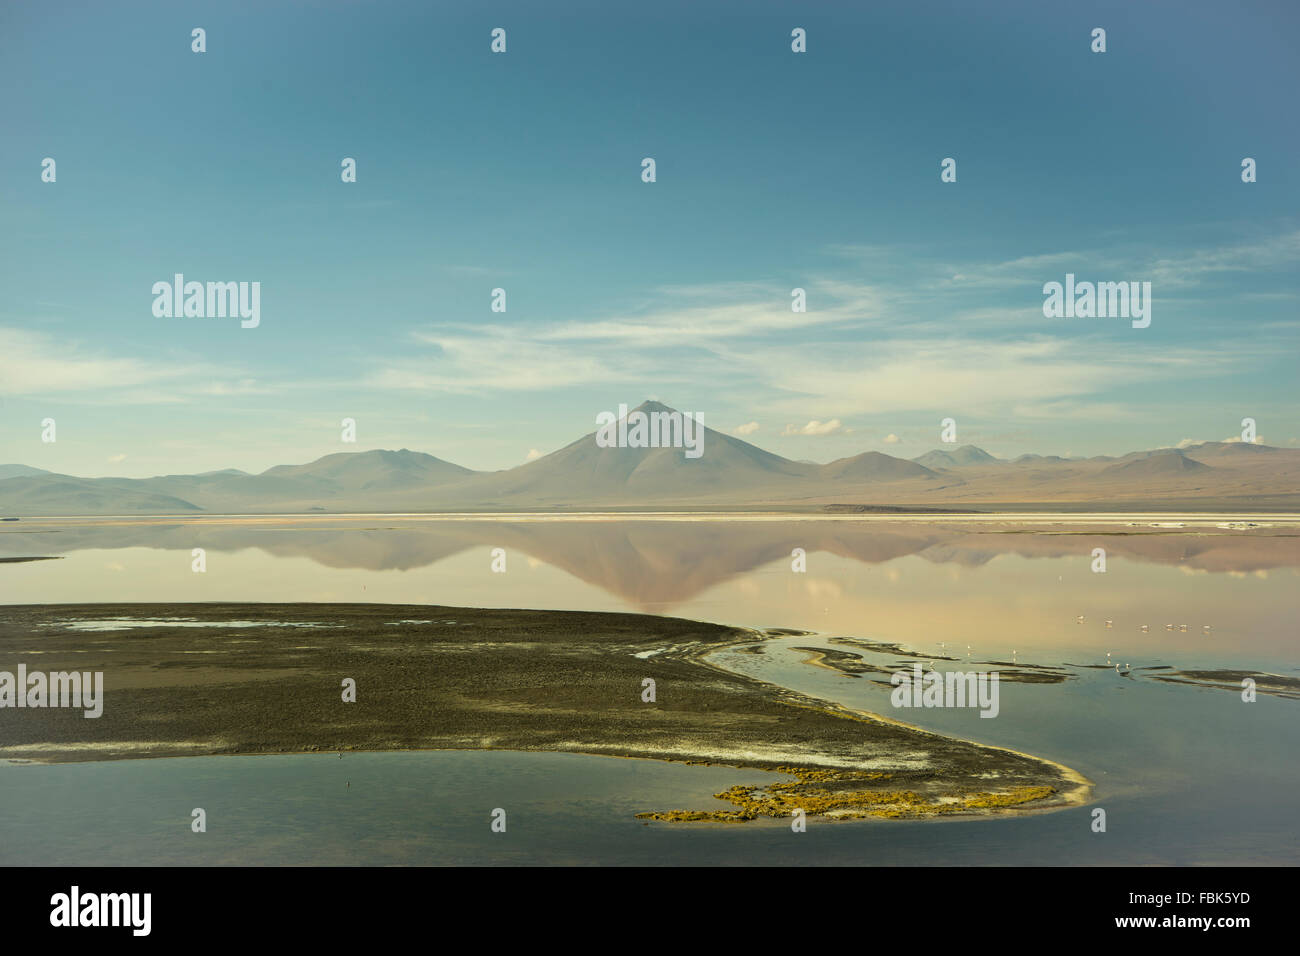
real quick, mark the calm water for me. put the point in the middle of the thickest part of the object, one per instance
(1186, 774)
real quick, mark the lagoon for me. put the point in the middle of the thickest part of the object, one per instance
(1187, 774)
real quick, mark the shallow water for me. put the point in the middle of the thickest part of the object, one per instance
(1186, 774)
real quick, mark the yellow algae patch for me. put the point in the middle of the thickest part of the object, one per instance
(851, 800)
(809, 775)
(976, 801)
(1009, 799)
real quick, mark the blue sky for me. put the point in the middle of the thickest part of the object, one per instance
(522, 171)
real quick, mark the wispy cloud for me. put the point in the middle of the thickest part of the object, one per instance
(38, 364)
(915, 335)
(41, 364)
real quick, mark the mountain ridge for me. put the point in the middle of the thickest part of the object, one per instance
(730, 472)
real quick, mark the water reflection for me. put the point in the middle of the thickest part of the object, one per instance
(1218, 594)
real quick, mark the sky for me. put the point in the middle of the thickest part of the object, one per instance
(522, 170)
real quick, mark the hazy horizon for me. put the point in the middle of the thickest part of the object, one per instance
(883, 449)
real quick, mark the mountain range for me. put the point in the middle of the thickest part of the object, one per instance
(732, 474)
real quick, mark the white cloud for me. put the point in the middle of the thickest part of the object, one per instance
(114, 459)
(891, 439)
(814, 427)
(746, 429)
(1230, 440)
(533, 454)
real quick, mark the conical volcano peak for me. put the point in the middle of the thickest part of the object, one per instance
(653, 405)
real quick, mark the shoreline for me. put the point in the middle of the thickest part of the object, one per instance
(492, 680)
(1079, 794)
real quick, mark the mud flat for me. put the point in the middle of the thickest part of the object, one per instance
(851, 664)
(185, 679)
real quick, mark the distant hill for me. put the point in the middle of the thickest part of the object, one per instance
(962, 457)
(731, 474)
(874, 466)
(1167, 461)
(20, 471)
(65, 495)
(376, 470)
